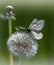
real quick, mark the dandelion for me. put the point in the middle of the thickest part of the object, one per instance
(9, 15)
(21, 44)
(25, 43)
(9, 10)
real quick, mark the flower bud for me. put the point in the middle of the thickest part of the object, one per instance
(9, 10)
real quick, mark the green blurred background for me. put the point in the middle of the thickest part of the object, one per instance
(25, 11)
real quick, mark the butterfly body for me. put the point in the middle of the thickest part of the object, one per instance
(28, 30)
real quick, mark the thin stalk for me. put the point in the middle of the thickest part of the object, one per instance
(10, 31)
(19, 62)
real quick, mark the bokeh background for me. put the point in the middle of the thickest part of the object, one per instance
(25, 11)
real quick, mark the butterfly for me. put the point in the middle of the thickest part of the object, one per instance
(35, 27)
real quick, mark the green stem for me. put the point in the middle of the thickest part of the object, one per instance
(10, 31)
(19, 63)
(10, 25)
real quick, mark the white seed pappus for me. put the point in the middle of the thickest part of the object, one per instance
(22, 44)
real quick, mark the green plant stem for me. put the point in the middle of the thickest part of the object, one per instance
(19, 62)
(10, 31)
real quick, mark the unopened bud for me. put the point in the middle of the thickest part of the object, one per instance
(9, 10)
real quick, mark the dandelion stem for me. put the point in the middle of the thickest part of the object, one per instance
(19, 62)
(10, 31)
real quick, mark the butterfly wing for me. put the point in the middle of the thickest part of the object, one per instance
(36, 25)
(35, 28)
(37, 36)
(33, 22)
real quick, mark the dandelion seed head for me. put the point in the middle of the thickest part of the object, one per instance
(22, 44)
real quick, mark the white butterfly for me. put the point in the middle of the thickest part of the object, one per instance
(35, 28)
